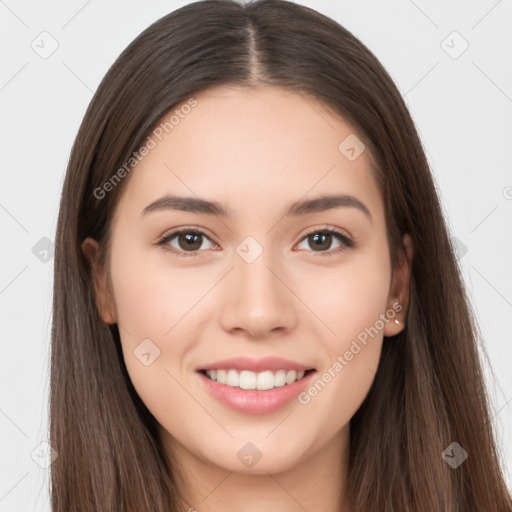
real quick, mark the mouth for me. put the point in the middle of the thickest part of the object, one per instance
(261, 381)
(255, 386)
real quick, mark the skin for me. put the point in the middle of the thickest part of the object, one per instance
(256, 151)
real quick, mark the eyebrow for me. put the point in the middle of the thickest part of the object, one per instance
(302, 207)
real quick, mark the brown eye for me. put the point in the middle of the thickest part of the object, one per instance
(320, 241)
(185, 242)
(189, 241)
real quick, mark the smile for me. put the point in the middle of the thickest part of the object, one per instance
(262, 381)
(255, 386)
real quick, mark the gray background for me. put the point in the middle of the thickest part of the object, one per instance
(460, 101)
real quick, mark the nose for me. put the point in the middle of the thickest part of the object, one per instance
(258, 301)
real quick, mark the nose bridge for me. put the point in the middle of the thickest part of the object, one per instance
(257, 300)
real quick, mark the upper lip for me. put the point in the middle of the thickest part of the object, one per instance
(256, 365)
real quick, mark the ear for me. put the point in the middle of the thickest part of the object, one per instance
(102, 290)
(399, 290)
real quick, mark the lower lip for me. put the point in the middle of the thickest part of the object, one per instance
(253, 401)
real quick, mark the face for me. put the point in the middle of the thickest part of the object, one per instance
(254, 333)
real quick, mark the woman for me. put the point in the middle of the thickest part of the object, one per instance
(256, 300)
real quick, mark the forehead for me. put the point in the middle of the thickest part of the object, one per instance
(253, 150)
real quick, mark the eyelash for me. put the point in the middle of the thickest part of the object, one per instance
(346, 242)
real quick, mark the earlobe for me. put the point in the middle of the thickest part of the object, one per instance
(102, 291)
(399, 293)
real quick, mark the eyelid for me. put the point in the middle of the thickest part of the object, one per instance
(347, 242)
(326, 228)
(167, 237)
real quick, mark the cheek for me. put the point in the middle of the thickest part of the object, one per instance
(152, 296)
(351, 298)
(152, 301)
(355, 310)
(157, 301)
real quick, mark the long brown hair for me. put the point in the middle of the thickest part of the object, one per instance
(429, 389)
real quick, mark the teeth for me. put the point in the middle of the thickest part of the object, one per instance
(280, 378)
(264, 380)
(251, 380)
(247, 380)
